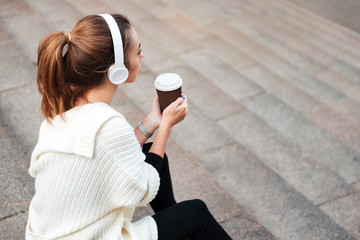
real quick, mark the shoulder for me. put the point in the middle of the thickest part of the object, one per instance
(88, 114)
(96, 112)
(117, 133)
(91, 117)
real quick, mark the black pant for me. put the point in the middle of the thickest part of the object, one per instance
(178, 221)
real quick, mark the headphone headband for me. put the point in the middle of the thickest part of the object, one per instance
(117, 73)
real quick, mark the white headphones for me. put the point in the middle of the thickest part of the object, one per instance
(117, 73)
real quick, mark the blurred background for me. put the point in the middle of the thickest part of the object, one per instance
(272, 139)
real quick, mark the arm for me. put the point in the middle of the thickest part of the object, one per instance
(151, 122)
(150, 125)
(161, 138)
(133, 180)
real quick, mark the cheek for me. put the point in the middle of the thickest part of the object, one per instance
(132, 63)
(134, 67)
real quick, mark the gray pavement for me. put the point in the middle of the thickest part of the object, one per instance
(344, 12)
(272, 139)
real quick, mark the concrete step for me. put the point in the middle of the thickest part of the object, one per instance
(240, 41)
(187, 27)
(247, 15)
(221, 75)
(280, 87)
(277, 15)
(253, 27)
(16, 184)
(217, 48)
(200, 11)
(236, 14)
(335, 33)
(13, 228)
(150, 24)
(155, 54)
(345, 211)
(286, 159)
(347, 107)
(350, 72)
(295, 75)
(313, 140)
(20, 110)
(258, 188)
(327, 31)
(309, 33)
(282, 43)
(262, 79)
(58, 21)
(305, 81)
(292, 51)
(308, 83)
(334, 118)
(13, 62)
(340, 83)
(336, 124)
(24, 25)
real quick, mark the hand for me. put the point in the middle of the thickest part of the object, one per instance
(175, 112)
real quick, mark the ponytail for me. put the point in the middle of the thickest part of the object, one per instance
(51, 79)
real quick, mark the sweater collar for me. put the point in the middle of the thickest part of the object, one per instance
(76, 133)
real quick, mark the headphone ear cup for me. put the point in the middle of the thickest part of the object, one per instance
(117, 75)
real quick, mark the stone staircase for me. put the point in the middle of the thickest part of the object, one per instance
(271, 142)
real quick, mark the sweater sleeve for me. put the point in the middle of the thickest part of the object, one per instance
(134, 182)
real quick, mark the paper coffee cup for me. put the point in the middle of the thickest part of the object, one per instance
(168, 87)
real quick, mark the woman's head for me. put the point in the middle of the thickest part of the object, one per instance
(64, 77)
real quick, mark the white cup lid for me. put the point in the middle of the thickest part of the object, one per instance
(168, 82)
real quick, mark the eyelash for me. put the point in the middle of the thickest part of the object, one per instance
(140, 51)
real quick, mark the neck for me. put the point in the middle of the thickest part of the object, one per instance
(102, 93)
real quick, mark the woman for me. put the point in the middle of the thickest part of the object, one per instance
(92, 168)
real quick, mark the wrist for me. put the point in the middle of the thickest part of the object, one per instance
(165, 125)
(144, 130)
(150, 123)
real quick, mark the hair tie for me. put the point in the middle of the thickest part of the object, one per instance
(69, 37)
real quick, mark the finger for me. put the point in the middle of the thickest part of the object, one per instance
(182, 108)
(184, 104)
(178, 101)
(184, 97)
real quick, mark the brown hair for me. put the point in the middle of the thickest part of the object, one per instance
(64, 78)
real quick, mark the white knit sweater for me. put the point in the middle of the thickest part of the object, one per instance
(90, 176)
